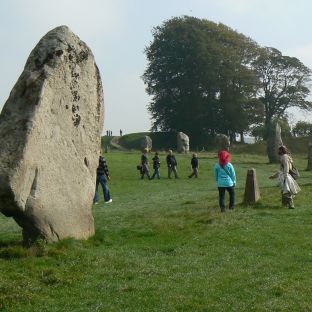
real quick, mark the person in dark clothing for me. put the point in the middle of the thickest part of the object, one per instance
(172, 164)
(144, 164)
(102, 176)
(156, 165)
(194, 164)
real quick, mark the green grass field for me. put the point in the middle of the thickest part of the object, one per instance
(163, 245)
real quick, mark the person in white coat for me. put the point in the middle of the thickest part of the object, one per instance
(289, 187)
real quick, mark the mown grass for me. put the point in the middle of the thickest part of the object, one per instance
(163, 245)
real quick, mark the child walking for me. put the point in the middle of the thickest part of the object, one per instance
(156, 165)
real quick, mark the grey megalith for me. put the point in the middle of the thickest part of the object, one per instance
(50, 132)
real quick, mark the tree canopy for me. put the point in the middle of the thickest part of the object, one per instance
(205, 78)
(283, 83)
(198, 77)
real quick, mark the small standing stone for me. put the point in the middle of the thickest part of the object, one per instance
(252, 192)
(183, 143)
(223, 142)
(146, 143)
(274, 142)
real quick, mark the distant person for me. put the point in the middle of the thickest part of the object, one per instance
(194, 164)
(156, 166)
(102, 176)
(120, 132)
(289, 187)
(225, 178)
(144, 164)
(172, 164)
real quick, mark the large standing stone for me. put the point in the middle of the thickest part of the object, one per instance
(274, 142)
(223, 142)
(146, 143)
(309, 157)
(50, 130)
(183, 143)
(252, 192)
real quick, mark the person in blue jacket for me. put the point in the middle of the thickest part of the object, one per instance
(225, 178)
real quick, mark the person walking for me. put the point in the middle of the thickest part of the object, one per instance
(289, 187)
(156, 165)
(102, 176)
(172, 165)
(144, 164)
(194, 164)
(225, 179)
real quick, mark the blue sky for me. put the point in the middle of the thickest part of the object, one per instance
(117, 31)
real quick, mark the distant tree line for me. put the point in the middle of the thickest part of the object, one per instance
(205, 78)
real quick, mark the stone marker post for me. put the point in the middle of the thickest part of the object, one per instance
(252, 192)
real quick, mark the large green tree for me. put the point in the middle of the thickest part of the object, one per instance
(283, 84)
(199, 77)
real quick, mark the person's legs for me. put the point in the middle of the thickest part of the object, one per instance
(105, 188)
(196, 172)
(96, 195)
(154, 174)
(142, 172)
(232, 197)
(288, 201)
(145, 171)
(175, 171)
(221, 198)
(192, 174)
(157, 173)
(169, 172)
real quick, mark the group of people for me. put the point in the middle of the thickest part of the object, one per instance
(224, 171)
(172, 165)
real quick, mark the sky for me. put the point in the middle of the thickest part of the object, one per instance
(118, 31)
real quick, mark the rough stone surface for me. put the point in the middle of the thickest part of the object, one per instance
(183, 143)
(274, 142)
(223, 142)
(50, 130)
(252, 191)
(146, 143)
(309, 157)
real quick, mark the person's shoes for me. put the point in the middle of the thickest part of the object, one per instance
(95, 203)
(291, 207)
(109, 201)
(231, 208)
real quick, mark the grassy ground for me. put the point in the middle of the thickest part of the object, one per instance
(163, 245)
